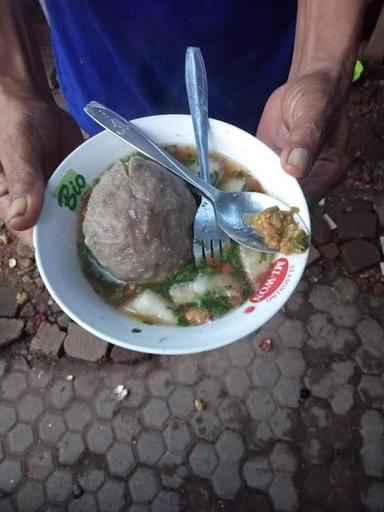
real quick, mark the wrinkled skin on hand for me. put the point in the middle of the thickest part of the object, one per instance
(308, 113)
(34, 137)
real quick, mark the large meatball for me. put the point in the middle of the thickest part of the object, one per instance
(138, 221)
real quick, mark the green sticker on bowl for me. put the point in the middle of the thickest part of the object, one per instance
(70, 190)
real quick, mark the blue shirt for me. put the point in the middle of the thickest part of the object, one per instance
(129, 54)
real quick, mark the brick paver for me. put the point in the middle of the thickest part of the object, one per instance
(270, 421)
(48, 340)
(10, 329)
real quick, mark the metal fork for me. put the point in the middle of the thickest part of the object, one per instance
(209, 239)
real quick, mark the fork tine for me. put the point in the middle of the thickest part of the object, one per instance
(208, 248)
(224, 241)
(198, 250)
(215, 247)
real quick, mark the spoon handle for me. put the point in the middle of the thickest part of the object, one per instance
(197, 90)
(133, 136)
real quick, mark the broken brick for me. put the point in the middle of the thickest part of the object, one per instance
(81, 344)
(10, 329)
(321, 232)
(8, 304)
(330, 251)
(359, 204)
(378, 289)
(313, 255)
(358, 255)
(378, 202)
(358, 224)
(48, 340)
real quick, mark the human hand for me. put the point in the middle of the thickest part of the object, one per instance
(305, 122)
(34, 137)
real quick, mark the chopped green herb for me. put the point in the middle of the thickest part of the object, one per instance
(187, 273)
(190, 271)
(161, 288)
(232, 256)
(215, 175)
(300, 242)
(191, 160)
(181, 320)
(263, 257)
(214, 302)
(118, 294)
(206, 270)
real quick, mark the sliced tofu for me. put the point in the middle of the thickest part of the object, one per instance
(255, 263)
(234, 184)
(187, 293)
(151, 306)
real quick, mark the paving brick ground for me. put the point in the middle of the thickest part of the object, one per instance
(299, 427)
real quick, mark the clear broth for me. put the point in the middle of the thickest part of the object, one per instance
(225, 172)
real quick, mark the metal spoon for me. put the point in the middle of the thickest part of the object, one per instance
(232, 208)
(205, 227)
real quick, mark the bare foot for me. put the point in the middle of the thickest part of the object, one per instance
(24, 236)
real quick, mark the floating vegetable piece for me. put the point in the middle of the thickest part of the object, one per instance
(234, 184)
(187, 293)
(149, 305)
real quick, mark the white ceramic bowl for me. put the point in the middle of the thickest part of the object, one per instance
(55, 241)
